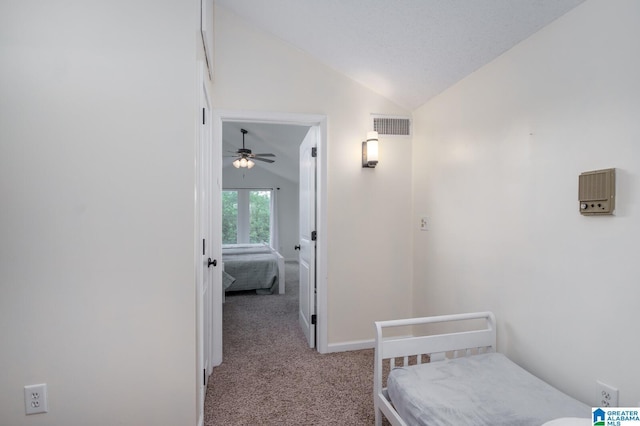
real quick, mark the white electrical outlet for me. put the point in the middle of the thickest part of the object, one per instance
(424, 222)
(35, 399)
(606, 396)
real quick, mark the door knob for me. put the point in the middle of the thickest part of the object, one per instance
(213, 262)
(296, 247)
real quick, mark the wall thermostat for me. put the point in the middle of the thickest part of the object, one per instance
(597, 192)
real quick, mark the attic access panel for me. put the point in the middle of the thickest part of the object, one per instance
(596, 192)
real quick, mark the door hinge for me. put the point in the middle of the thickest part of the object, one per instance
(314, 152)
(314, 235)
(203, 115)
(203, 247)
(204, 376)
(314, 318)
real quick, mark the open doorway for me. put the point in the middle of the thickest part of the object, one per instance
(273, 178)
(266, 128)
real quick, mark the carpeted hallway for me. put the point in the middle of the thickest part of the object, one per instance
(270, 377)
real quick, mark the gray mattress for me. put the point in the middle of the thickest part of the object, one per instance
(486, 389)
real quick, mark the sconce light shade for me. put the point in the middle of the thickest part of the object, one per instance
(370, 150)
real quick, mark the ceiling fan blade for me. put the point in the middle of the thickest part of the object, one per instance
(264, 155)
(263, 159)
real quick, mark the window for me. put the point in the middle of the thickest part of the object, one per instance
(246, 216)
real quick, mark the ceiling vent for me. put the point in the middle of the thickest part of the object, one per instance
(392, 125)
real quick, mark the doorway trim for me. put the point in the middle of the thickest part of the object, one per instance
(312, 120)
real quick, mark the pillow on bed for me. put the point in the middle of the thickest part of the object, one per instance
(245, 249)
(569, 421)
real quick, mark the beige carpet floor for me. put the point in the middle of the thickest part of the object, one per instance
(269, 376)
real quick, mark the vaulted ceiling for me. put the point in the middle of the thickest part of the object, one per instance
(406, 50)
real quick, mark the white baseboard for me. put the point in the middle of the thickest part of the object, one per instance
(351, 346)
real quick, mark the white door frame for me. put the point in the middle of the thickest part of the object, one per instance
(204, 276)
(320, 121)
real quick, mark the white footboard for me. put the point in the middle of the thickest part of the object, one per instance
(436, 347)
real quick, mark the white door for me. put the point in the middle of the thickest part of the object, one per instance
(209, 258)
(307, 257)
(215, 201)
(204, 273)
(208, 247)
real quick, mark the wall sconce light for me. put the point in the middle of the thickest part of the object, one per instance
(243, 162)
(370, 150)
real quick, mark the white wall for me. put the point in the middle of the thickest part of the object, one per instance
(97, 130)
(368, 210)
(287, 199)
(497, 159)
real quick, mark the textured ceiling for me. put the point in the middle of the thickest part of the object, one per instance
(406, 50)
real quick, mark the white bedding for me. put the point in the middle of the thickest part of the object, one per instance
(252, 267)
(485, 389)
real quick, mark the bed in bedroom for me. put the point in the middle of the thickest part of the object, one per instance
(252, 267)
(458, 378)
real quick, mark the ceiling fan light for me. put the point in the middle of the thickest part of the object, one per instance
(245, 157)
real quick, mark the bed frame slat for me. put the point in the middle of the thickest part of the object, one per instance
(394, 348)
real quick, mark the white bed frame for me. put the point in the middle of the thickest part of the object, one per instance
(438, 347)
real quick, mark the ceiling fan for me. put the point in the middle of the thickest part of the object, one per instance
(244, 156)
